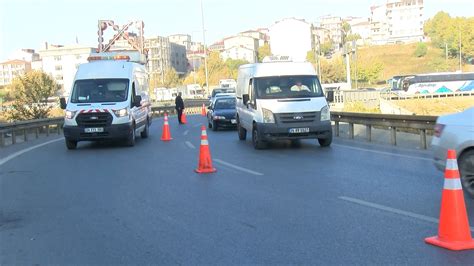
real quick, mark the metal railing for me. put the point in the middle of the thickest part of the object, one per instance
(421, 124)
(393, 96)
(45, 126)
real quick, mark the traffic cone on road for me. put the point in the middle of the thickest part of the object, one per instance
(183, 118)
(166, 136)
(203, 110)
(453, 231)
(205, 161)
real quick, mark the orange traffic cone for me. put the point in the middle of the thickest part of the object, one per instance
(183, 118)
(203, 110)
(453, 230)
(166, 136)
(205, 161)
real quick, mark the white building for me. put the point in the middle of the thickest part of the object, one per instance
(292, 37)
(397, 21)
(259, 34)
(181, 39)
(28, 55)
(12, 69)
(334, 25)
(61, 62)
(244, 41)
(240, 52)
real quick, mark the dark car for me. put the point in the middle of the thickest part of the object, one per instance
(222, 113)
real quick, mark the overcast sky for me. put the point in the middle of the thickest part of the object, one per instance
(30, 23)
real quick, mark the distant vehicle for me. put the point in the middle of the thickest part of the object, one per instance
(438, 83)
(222, 113)
(227, 83)
(109, 100)
(456, 131)
(270, 105)
(220, 91)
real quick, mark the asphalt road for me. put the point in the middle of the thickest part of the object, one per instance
(352, 203)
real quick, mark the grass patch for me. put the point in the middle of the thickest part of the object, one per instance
(360, 107)
(438, 106)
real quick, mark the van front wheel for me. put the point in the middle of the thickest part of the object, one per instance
(131, 138)
(256, 140)
(325, 142)
(71, 144)
(241, 131)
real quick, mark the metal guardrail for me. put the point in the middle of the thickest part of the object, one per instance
(392, 122)
(39, 126)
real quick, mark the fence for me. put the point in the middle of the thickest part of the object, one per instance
(45, 126)
(393, 122)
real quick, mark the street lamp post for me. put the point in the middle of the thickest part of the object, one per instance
(205, 49)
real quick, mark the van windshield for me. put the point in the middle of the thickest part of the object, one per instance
(287, 87)
(99, 90)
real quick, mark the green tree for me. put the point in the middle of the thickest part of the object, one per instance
(333, 71)
(353, 37)
(233, 66)
(171, 78)
(263, 51)
(327, 47)
(30, 93)
(369, 72)
(346, 28)
(421, 49)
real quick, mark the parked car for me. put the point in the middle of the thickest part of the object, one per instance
(220, 91)
(222, 113)
(456, 131)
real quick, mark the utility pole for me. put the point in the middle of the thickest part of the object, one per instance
(354, 47)
(446, 49)
(205, 49)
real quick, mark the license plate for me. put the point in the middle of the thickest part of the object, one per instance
(233, 121)
(94, 129)
(299, 130)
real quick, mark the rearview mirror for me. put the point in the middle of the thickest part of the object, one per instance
(138, 101)
(245, 98)
(62, 103)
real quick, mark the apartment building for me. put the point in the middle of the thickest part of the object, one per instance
(334, 25)
(11, 69)
(163, 54)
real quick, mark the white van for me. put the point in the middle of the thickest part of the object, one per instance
(108, 100)
(281, 100)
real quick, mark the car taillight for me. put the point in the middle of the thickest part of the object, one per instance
(438, 130)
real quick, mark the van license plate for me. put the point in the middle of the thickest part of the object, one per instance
(299, 130)
(94, 129)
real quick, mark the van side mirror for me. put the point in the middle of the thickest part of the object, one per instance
(62, 103)
(138, 101)
(245, 98)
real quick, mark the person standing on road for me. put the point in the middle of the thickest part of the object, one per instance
(179, 106)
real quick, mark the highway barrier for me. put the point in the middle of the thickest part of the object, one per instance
(419, 124)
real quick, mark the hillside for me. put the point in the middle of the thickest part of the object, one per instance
(399, 59)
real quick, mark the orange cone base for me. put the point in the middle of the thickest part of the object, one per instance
(205, 171)
(452, 245)
(164, 139)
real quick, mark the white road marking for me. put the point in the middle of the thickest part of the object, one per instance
(185, 132)
(393, 210)
(18, 153)
(384, 153)
(237, 167)
(190, 145)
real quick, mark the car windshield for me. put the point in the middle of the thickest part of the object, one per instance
(100, 90)
(227, 103)
(287, 87)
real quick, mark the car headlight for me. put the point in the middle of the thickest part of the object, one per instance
(121, 113)
(268, 116)
(217, 117)
(325, 114)
(70, 114)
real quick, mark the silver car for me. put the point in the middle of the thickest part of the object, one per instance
(456, 131)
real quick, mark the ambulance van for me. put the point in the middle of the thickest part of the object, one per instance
(109, 100)
(281, 99)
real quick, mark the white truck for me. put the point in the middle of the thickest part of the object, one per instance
(109, 100)
(281, 99)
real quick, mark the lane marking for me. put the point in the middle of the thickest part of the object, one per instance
(18, 153)
(185, 132)
(189, 144)
(237, 167)
(383, 152)
(393, 210)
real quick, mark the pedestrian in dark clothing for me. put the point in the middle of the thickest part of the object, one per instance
(179, 106)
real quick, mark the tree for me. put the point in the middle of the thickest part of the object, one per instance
(30, 93)
(369, 71)
(233, 66)
(171, 78)
(353, 37)
(333, 71)
(346, 28)
(327, 47)
(421, 50)
(263, 51)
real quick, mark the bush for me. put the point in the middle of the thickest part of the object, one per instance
(421, 49)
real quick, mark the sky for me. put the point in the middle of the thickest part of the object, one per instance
(31, 23)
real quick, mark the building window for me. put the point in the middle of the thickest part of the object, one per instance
(58, 68)
(57, 57)
(58, 77)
